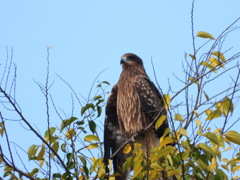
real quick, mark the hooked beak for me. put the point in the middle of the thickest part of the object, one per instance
(123, 61)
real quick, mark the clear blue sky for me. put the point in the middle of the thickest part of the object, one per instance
(89, 36)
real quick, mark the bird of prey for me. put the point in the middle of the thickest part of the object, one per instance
(133, 104)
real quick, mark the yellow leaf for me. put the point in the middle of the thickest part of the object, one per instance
(101, 170)
(236, 177)
(233, 136)
(225, 106)
(196, 114)
(156, 166)
(41, 153)
(185, 154)
(90, 138)
(55, 147)
(216, 62)
(165, 141)
(166, 101)
(92, 146)
(70, 133)
(41, 162)
(153, 174)
(164, 134)
(198, 122)
(166, 150)
(173, 172)
(214, 163)
(228, 148)
(185, 144)
(160, 121)
(178, 117)
(213, 115)
(209, 66)
(203, 34)
(236, 169)
(219, 55)
(127, 149)
(32, 151)
(199, 132)
(183, 132)
(208, 111)
(216, 131)
(232, 161)
(192, 56)
(192, 79)
(170, 160)
(225, 167)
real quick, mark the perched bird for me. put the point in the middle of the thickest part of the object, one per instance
(133, 104)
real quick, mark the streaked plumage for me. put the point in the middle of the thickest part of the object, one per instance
(133, 103)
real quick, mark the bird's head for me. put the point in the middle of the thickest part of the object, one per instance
(130, 59)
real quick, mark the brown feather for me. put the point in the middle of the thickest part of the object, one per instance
(133, 104)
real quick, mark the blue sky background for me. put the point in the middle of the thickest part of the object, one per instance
(89, 36)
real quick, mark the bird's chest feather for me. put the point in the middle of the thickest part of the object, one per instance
(130, 115)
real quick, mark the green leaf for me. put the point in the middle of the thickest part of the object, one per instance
(92, 126)
(178, 117)
(83, 160)
(203, 34)
(34, 171)
(88, 106)
(63, 147)
(67, 122)
(160, 121)
(233, 136)
(97, 97)
(105, 82)
(213, 115)
(49, 132)
(70, 164)
(99, 110)
(206, 148)
(202, 165)
(57, 175)
(206, 96)
(90, 138)
(32, 150)
(212, 137)
(55, 146)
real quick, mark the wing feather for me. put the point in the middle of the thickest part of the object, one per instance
(151, 101)
(113, 138)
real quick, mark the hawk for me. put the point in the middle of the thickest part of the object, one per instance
(133, 104)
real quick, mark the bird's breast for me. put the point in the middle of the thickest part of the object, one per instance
(130, 115)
